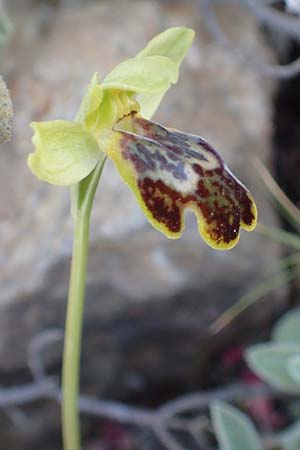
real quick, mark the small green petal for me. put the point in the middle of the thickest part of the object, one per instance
(65, 152)
(150, 102)
(173, 43)
(149, 74)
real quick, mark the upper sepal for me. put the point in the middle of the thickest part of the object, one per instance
(142, 75)
(65, 152)
(173, 43)
(150, 74)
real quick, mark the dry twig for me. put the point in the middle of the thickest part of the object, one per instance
(163, 421)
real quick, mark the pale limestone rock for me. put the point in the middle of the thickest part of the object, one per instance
(135, 273)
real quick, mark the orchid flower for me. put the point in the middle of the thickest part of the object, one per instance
(166, 169)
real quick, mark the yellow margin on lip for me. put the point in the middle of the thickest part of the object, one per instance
(128, 174)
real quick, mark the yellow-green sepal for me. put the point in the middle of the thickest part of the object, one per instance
(65, 152)
(172, 43)
(148, 74)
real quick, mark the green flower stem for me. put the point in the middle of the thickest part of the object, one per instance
(73, 330)
(82, 201)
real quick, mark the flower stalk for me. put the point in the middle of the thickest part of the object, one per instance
(82, 200)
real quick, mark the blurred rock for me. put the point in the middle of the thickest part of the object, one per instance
(145, 292)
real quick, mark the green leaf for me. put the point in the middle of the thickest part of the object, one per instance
(270, 362)
(65, 152)
(234, 430)
(289, 439)
(287, 329)
(294, 368)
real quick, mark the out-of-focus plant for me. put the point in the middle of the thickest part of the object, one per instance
(289, 266)
(277, 21)
(6, 107)
(6, 29)
(233, 429)
(167, 171)
(277, 363)
(293, 6)
(6, 112)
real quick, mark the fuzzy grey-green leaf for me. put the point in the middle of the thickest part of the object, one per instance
(233, 429)
(287, 329)
(270, 362)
